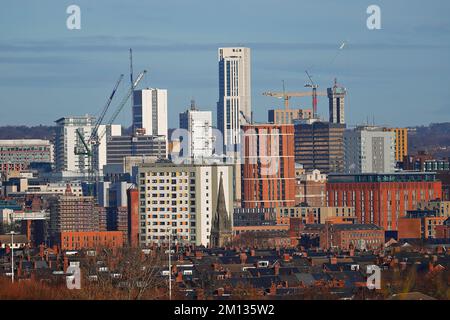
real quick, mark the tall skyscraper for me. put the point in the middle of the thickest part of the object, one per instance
(234, 105)
(336, 98)
(150, 111)
(369, 149)
(200, 137)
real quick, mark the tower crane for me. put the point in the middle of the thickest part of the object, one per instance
(89, 146)
(288, 95)
(314, 87)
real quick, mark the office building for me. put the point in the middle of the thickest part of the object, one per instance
(401, 142)
(319, 145)
(150, 112)
(180, 201)
(234, 107)
(369, 149)
(287, 116)
(199, 142)
(18, 154)
(121, 147)
(382, 198)
(268, 169)
(336, 98)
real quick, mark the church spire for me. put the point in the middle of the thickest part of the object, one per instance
(221, 224)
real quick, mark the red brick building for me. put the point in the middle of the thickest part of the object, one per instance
(420, 224)
(133, 217)
(91, 240)
(352, 236)
(443, 231)
(268, 170)
(382, 198)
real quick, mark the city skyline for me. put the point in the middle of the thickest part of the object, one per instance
(84, 63)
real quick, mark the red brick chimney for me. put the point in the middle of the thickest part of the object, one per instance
(276, 269)
(179, 277)
(41, 251)
(200, 294)
(66, 263)
(333, 260)
(273, 289)
(243, 257)
(198, 254)
(19, 268)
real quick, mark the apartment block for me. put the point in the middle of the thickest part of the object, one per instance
(369, 149)
(179, 201)
(268, 171)
(401, 142)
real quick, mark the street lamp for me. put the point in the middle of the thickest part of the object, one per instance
(12, 233)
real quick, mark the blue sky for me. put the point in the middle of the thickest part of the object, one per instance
(400, 75)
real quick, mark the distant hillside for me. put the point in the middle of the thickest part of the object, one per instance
(36, 132)
(24, 132)
(434, 139)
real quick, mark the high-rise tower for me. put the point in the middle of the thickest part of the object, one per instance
(336, 97)
(234, 105)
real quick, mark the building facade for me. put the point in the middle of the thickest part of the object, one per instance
(150, 111)
(234, 107)
(401, 142)
(69, 213)
(91, 240)
(287, 116)
(120, 147)
(268, 170)
(310, 187)
(67, 140)
(316, 215)
(336, 98)
(369, 149)
(17, 155)
(198, 125)
(382, 198)
(352, 236)
(180, 200)
(320, 145)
